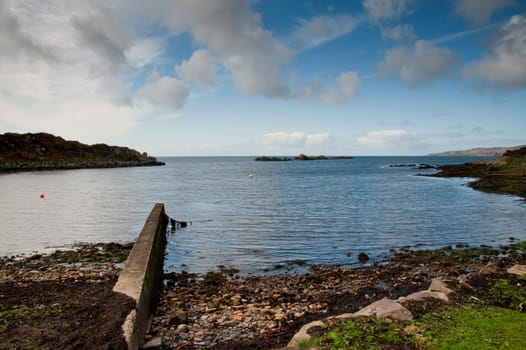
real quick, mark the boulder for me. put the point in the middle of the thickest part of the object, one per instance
(425, 294)
(438, 285)
(386, 308)
(517, 270)
(303, 334)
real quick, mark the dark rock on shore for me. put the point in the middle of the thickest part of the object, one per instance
(506, 174)
(42, 151)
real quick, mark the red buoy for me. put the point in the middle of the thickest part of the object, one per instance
(42, 196)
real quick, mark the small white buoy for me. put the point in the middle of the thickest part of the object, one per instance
(250, 176)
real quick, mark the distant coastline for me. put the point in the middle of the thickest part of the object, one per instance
(42, 151)
(479, 152)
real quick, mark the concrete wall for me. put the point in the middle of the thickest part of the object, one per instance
(142, 276)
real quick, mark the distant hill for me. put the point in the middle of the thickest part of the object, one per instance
(42, 151)
(482, 152)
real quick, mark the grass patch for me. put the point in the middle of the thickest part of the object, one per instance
(474, 327)
(7, 315)
(365, 333)
(507, 295)
(470, 327)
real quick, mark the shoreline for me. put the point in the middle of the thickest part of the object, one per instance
(222, 310)
(9, 168)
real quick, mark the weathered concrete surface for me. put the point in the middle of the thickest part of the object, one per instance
(142, 276)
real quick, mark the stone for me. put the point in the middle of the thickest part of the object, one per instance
(463, 281)
(438, 285)
(179, 317)
(303, 334)
(426, 294)
(155, 343)
(517, 270)
(386, 308)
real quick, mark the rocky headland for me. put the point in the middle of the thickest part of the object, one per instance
(505, 175)
(42, 151)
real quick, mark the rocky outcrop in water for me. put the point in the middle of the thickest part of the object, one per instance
(42, 151)
(299, 157)
(506, 174)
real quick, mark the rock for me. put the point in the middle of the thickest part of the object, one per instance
(517, 270)
(386, 308)
(303, 334)
(463, 281)
(179, 317)
(155, 343)
(488, 269)
(362, 257)
(438, 285)
(425, 294)
(183, 328)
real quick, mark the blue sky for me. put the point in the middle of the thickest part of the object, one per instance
(273, 77)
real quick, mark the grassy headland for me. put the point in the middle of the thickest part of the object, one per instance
(506, 174)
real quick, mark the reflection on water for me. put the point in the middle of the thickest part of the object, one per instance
(319, 211)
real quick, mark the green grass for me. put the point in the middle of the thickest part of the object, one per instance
(496, 320)
(474, 327)
(8, 314)
(470, 327)
(17, 312)
(363, 333)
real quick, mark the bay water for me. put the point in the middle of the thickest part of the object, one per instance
(256, 215)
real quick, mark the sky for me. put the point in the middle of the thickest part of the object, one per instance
(267, 77)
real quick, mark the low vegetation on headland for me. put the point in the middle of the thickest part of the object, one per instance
(506, 174)
(299, 157)
(42, 151)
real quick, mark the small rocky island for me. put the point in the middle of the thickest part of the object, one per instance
(42, 151)
(299, 157)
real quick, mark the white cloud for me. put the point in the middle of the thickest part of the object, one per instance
(504, 65)
(48, 82)
(14, 43)
(346, 87)
(102, 36)
(143, 52)
(422, 63)
(165, 92)
(480, 11)
(230, 30)
(399, 32)
(199, 68)
(390, 138)
(294, 139)
(317, 139)
(385, 9)
(321, 29)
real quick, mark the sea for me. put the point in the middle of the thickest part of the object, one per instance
(258, 216)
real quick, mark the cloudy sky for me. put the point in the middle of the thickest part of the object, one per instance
(274, 77)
